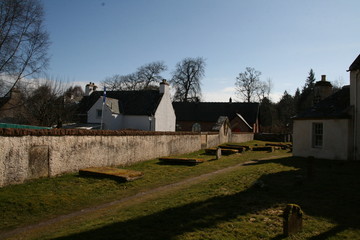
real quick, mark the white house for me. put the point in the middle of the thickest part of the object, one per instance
(330, 129)
(149, 110)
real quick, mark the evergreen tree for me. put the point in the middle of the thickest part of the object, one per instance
(307, 94)
(310, 81)
(267, 115)
(297, 99)
(286, 110)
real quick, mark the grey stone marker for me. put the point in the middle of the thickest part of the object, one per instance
(218, 153)
(292, 219)
(38, 161)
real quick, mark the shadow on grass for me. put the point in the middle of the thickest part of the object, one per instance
(332, 192)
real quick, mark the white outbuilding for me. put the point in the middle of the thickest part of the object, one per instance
(149, 110)
(330, 129)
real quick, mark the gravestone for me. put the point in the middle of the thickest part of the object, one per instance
(38, 161)
(292, 219)
(218, 153)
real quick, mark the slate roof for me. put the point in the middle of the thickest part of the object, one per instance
(211, 111)
(221, 120)
(355, 65)
(336, 106)
(113, 105)
(129, 102)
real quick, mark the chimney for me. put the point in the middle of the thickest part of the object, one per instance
(164, 87)
(230, 100)
(322, 89)
(89, 88)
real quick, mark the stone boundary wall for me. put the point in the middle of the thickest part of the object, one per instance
(30, 153)
(209, 139)
(241, 137)
(82, 132)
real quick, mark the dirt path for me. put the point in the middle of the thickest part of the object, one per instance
(143, 196)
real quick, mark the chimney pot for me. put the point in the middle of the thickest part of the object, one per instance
(323, 78)
(164, 87)
(89, 88)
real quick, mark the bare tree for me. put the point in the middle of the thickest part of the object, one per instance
(45, 104)
(187, 79)
(144, 78)
(122, 82)
(73, 94)
(337, 84)
(247, 84)
(150, 74)
(2, 88)
(50, 103)
(23, 40)
(264, 89)
(113, 83)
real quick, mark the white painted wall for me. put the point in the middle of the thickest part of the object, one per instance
(165, 118)
(111, 121)
(355, 101)
(336, 134)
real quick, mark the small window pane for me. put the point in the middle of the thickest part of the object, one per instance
(196, 127)
(317, 130)
(98, 113)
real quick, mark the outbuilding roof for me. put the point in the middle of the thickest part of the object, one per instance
(336, 106)
(211, 111)
(355, 65)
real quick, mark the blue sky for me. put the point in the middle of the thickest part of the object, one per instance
(95, 39)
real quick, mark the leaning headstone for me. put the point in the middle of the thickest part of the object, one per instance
(292, 219)
(218, 153)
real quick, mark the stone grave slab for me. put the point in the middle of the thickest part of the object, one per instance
(184, 161)
(110, 172)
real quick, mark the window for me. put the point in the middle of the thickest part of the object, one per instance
(98, 113)
(196, 127)
(317, 135)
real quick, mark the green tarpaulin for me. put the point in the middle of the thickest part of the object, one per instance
(10, 125)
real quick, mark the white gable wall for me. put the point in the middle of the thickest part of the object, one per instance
(165, 118)
(355, 101)
(335, 139)
(111, 121)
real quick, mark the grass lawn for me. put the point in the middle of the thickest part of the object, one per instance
(245, 203)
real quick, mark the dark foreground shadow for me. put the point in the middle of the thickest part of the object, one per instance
(332, 192)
